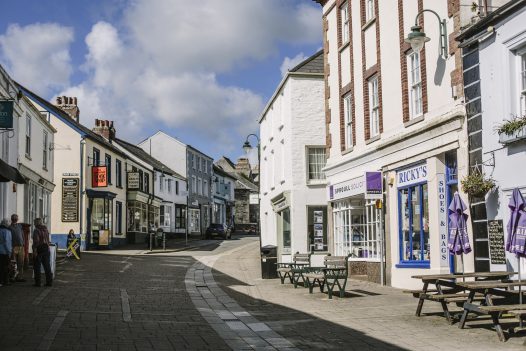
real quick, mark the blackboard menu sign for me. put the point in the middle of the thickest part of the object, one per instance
(70, 199)
(496, 242)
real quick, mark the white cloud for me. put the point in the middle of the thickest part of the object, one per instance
(289, 63)
(37, 55)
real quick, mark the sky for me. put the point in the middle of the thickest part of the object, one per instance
(201, 71)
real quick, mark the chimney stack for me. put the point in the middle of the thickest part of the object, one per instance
(104, 128)
(69, 106)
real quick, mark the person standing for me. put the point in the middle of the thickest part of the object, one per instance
(18, 246)
(41, 252)
(6, 250)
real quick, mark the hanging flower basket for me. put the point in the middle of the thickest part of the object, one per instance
(512, 130)
(477, 184)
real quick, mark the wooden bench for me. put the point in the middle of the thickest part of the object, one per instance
(496, 311)
(333, 275)
(294, 270)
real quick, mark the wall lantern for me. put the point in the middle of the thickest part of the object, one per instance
(417, 38)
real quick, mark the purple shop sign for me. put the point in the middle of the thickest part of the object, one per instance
(373, 185)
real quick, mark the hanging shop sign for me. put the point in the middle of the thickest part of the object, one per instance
(99, 176)
(133, 180)
(6, 114)
(413, 175)
(70, 199)
(442, 220)
(373, 185)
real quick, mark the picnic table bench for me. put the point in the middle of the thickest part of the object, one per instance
(447, 291)
(490, 291)
(333, 275)
(294, 270)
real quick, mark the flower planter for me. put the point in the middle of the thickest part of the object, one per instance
(515, 136)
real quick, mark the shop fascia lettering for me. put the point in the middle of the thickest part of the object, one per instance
(413, 175)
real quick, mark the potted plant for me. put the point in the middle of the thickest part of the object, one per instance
(477, 184)
(512, 130)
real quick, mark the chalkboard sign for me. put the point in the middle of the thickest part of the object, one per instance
(496, 242)
(70, 199)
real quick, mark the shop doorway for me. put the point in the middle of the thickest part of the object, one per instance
(452, 187)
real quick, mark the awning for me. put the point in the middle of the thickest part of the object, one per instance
(10, 174)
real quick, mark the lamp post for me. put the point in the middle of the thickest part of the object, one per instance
(247, 147)
(417, 38)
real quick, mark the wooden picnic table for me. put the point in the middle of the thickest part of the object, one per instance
(490, 290)
(447, 290)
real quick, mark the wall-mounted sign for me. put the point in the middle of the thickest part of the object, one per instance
(413, 175)
(133, 180)
(348, 188)
(70, 199)
(6, 114)
(442, 220)
(70, 174)
(373, 185)
(496, 242)
(99, 176)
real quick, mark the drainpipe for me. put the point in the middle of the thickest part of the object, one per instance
(82, 191)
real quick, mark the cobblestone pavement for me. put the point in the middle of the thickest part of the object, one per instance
(212, 298)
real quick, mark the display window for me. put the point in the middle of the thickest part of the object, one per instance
(317, 227)
(142, 217)
(101, 222)
(414, 224)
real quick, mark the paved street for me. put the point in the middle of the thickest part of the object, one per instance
(211, 297)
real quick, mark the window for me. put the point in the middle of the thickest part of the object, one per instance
(205, 187)
(374, 114)
(180, 218)
(118, 173)
(199, 163)
(523, 84)
(369, 10)
(194, 185)
(118, 217)
(206, 166)
(44, 151)
(316, 157)
(108, 167)
(28, 136)
(199, 186)
(193, 161)
(141, 180)
(357, 227)
(165, 214)
(344, 12)
(347, 111)
(414, 224)
(176, 187)
(146, 182)
(161, 186)
(169, 185)
(415, 85)
(286, 230)
(96, 156)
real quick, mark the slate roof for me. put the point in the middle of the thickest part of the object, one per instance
(313, 64)
(64, 117)
(219, 170)
(143, 155)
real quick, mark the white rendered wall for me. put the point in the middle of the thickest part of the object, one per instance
(168, 150)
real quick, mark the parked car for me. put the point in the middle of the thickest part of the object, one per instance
(218, 229)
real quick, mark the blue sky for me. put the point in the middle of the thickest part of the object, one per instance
(201, 72)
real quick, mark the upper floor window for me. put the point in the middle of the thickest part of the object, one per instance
(28, 136)
(169, 185)
(118, 173)
(206, 166)
(415, 85)
(523, 84)
(146, 182)
(108, 167)
(161, 183)
(176, 187)
(344, 12)
(194, 185)
(369, 10)
(316, 159)
(199, 186)
(96, 156)
(44, 150)
(193, 161)
(205, 187)
(347, 112)
(199, 162)
(374, 113)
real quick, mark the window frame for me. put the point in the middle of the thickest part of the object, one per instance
(522, 82)
(199, 186)
(28, 135)
(107, 162)
(194, 184)
(317, 167)
(118, 173)
(369, 10)
(374, 107)
(45, 149)
(344, 15)
(347, 116)
(96, 160)
(416, 108)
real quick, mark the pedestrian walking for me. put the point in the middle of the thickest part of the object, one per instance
(6, 250)
(18, 246)
(41, 252)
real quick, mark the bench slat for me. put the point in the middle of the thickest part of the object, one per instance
(502, 308)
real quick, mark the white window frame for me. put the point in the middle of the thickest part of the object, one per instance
(28, 136)
(522, 82)
(161, 182)
(316, 158)
(347, 113)
(344, 13)
(205, 187)
(414, 81)
(369, 10)
(374, 107)
(44, 150)
(193, 162)
(283, 164)
(199, 186)
(194, 184)
(169, 185)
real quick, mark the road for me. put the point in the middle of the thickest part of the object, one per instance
(211, 297)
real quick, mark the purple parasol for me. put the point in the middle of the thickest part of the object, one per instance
(458, 242)
(517, 225)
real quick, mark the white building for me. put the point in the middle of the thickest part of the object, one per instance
(223, 186)
(398, 114)
(494, 62)
(292, 132)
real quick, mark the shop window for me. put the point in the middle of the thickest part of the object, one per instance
(414, 225)
(118, 217)
(180, 218)
(286, 232)
(101, 221)
(317, 228)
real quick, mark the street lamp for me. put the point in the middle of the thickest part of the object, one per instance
(417, 38)
(247, 147)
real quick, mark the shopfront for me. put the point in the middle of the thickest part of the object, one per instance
(357, 221)
(100, 219)
(143, 214)
(281, 207)
(194, 220)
